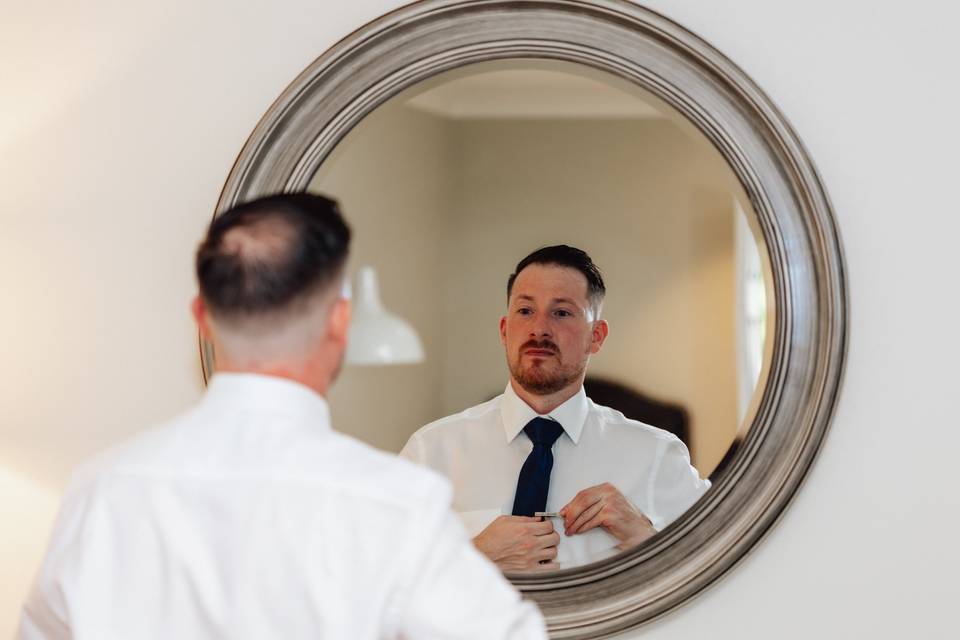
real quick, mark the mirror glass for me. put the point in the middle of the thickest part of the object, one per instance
(450, 183)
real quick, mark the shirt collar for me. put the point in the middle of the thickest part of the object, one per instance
(515, 414)
(268, 394)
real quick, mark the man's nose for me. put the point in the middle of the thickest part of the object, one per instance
(540, 326)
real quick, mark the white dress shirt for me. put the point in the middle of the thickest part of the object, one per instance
(482, 449)
(248, 517)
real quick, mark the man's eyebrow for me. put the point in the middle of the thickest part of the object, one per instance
(525, 296)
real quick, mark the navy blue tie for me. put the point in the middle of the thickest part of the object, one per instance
(534, 480)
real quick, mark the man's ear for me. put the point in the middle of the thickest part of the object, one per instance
(199, 311)
(503, 330)
(600, 331)
(338, 326)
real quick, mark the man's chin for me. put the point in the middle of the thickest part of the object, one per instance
(540, 385)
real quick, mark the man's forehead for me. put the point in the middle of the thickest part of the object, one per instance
(539, 282)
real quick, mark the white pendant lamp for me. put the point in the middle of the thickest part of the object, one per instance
(378, 337)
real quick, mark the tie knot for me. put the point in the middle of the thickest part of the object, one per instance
(543, 431)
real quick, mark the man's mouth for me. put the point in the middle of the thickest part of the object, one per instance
(538, 350)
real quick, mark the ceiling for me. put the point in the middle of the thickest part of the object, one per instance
(528, 93)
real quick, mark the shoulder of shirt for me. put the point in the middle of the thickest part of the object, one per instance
(611, 418)
(329, 460)
(462, 419)
(384, 477)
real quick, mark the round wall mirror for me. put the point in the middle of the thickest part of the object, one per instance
(460, 136)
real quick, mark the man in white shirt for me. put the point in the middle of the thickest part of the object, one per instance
(543, 446)
(248, 516)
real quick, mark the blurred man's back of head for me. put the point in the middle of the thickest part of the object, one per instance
(270, 273)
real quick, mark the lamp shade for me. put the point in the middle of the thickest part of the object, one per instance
(378, 337)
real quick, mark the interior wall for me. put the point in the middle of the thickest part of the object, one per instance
(120, 123)
(651, 206)
(379, 178)
(26, 511)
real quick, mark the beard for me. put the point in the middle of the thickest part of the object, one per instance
(541, 379)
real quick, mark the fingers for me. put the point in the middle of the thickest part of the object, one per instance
(580, 503)
(523, 518)
(598, 520)
(535, 525)
(552, 539)
(552, 565)
(529, 542)
(537, 544)
(588, 515)
(543, 547)
(547, 554)
(541, 528)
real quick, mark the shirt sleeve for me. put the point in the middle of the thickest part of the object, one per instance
(676, 485)
(449, 590)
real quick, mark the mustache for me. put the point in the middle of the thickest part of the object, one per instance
(539, 344)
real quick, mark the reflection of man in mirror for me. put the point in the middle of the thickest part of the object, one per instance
(544, 447)
(248, 516)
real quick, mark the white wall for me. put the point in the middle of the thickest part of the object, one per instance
(119, 124)
(378, 176)
(26, 511)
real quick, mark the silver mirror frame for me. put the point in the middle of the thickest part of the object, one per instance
(421, 40)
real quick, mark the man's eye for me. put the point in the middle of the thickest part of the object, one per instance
(563, 313)
(524, 311)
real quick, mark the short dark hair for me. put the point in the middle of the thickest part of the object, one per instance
(270, 254)
(565, 256)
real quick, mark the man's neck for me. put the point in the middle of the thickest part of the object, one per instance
(317, 383)
(547, 403)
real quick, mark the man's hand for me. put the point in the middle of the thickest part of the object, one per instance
(519, 543)
(604, 506)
